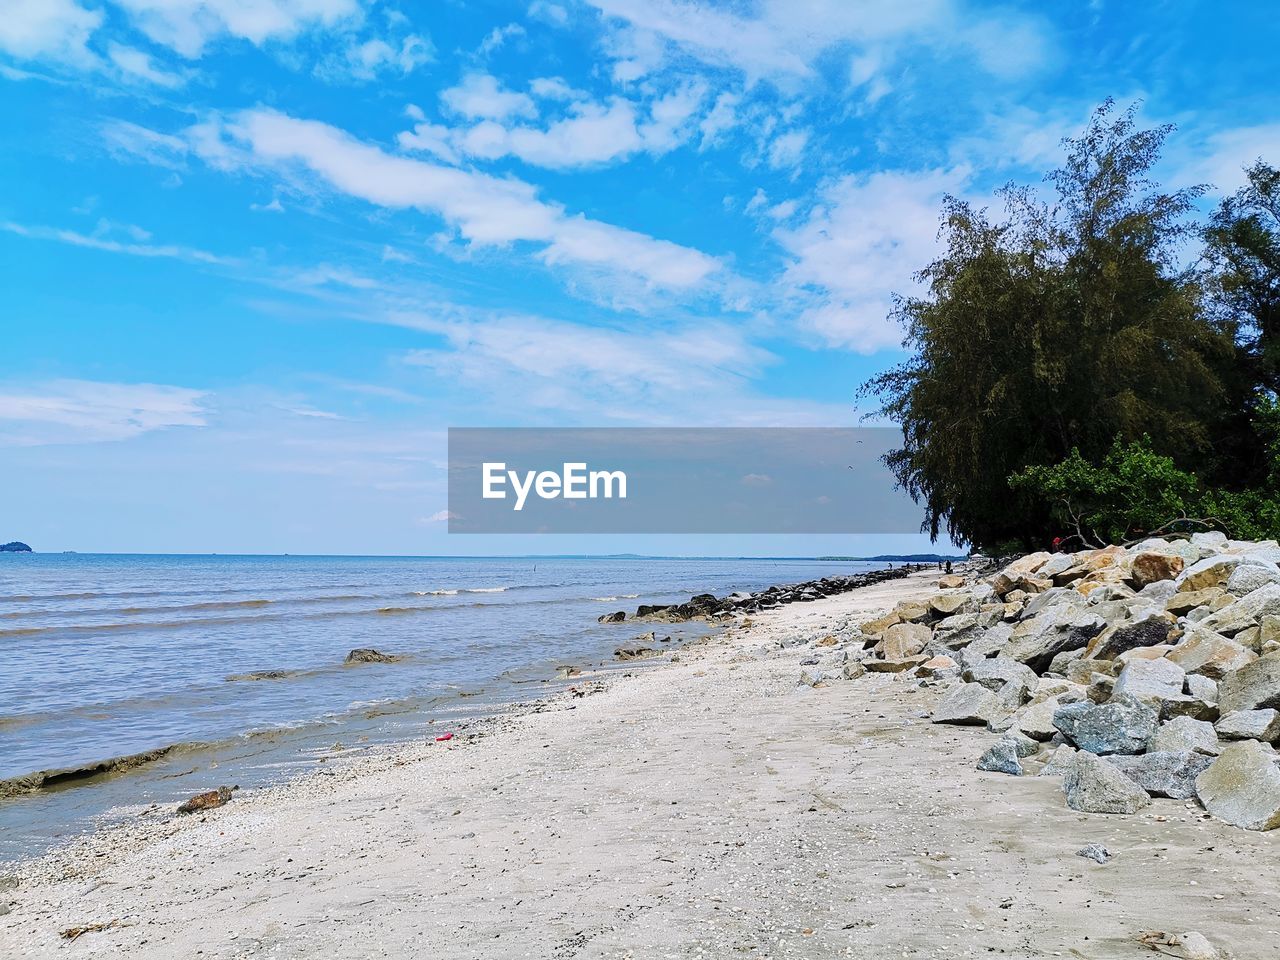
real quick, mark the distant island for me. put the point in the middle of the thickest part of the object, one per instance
(14, 546)
(904, 558)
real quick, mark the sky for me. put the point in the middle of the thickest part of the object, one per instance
(256, 256)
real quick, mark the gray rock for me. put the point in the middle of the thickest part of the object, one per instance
(969, 705)
(1159, 591)
(1242, 786)
(1095, 786)
(1246, 612)
(1255, 686)
(1036, 642)
(1164, 773)
(1208, 653)
(853, 670)
(1210, 541)
(1123, 725)
(1096, 852)
(1250, 575)
(1001, 757)
(1023, 745)
(1060, 761)
(1188, 706)
(1147, 629)
(1185, 733)
(958, 632)
(1150, 681)
(1061, 597)
(998, 672)
(1202, 687)
(1250, 725)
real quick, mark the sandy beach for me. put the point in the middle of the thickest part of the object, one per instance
(706, 805)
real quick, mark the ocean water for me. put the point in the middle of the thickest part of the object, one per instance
(108, 655)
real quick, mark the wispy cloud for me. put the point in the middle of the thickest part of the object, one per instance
(109, 245)
(87, 411)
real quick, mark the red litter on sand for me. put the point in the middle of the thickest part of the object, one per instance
(447, 736)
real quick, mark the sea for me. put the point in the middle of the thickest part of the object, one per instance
(107, 655)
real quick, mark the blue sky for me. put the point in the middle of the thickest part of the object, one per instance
(259, 254)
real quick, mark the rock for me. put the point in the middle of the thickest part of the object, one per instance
(1210, 654)
(945, 604)
(370, 655)
(1001, 757)
(1061, 760)
(940, 666)
(1209, 572)
(206, 801)
(1029, 563)
(1182, 734)
(1242, 787)
(911, 611)
(998, 672)
(1095, 786)
(808, 679)
(1246, 612)
(616, 617)
(1188, 706)
(1152, 567)
(895, 666)
(853, 670)
(1159, 592)
(1250, 725)
(1036, 720)
(1168, 773)
(873, 628)
(950, 581)
(1036, 642)
(1023, 745)
(1061, 663)
(1144, 653)
(958, 631)
(261, 675)
(1255, 686)
(1250, 576)
(635, 653)
(1123, 725)
(1202, 687)
(1185, 946)
(1149, 629)
(1096, 852)
(1269, 629)
(1150, 681)
(904, 640)
(1183, 602)
(1210, 541)
(969, 705)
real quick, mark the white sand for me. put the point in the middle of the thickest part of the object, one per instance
(703, 808)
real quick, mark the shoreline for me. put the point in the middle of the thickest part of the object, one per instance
(706, 805)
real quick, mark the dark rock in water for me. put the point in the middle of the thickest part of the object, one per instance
(206, 801)
(1122, 726)
(14, 546)
(42, 779)
(617, 617)
(262, 675)
(1001, 757)
(370, 655)
(566, 671)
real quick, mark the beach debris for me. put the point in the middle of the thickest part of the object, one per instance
(1096, 852)
(444, 737)
(1187, 946)
(370, 655)
(207, 800)
(75, 933)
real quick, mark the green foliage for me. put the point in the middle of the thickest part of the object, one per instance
(1135, 491)
(1056, 328)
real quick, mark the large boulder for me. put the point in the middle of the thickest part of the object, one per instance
(904, 640)
(1036, 719)
(1037, 641)
(998, 672)
(1001, 757)
(943, 605)
(1210, 654)
(1246, 612)
(1151, 681)
(1151, 567)
(1209, 572)
(1165, 773)
(1250, 576)
(1184, 601)
(1095, 786)
(1242, 786)
(1182, 734)
(1255, 686)
(1250, 725)
(1147, 629)
(1124, 725)
(957, 632)
(969, 704)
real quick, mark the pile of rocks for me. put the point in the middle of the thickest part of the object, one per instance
(706, 606)
(1139, 672)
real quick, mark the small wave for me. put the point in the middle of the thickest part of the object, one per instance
(486, 590)
(624, 596)
(400, 609)
(435, 593)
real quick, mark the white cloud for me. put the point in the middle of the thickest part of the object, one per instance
(85, 411)
(860, 246)
(481, 97)
(553, 12)
(97, 242)
(485, 210)
(131, 140)
(1222, 157)
(722, 118)
(373, 57)
(555, 88)
(498, 36)
(787, 149)
(55, 29)
(187, 26)
(137, 65)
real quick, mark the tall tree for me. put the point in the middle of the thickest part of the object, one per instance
(1066, 324)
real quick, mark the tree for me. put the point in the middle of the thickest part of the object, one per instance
(1062, 326)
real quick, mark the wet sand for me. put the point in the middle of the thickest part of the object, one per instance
(705, 806)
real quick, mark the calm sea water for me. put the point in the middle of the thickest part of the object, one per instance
(107, 655)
